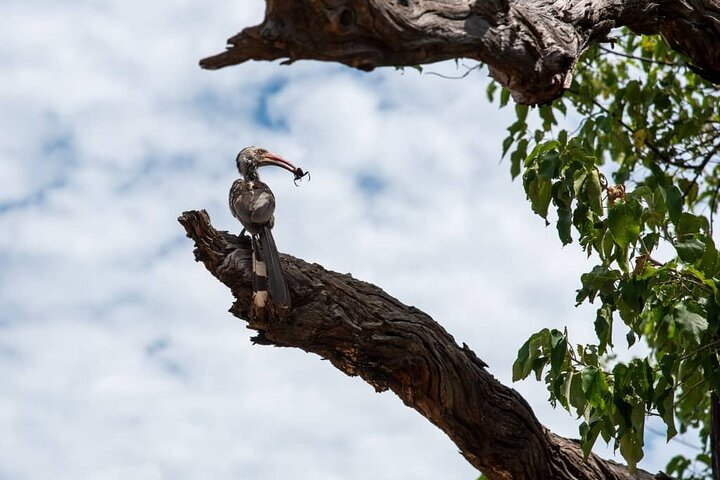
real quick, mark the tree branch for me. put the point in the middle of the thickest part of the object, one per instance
(530, 47)
(365, 332)
(641, 59)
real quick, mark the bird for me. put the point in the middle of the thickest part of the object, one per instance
(253, 204)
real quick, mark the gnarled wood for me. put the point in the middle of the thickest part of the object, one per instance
(364, 331)
(531, 47)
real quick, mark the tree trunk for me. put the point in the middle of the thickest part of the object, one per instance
(365, 332)
(715, 434)
(531, 47)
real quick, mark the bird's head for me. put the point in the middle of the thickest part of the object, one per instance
(251, 158)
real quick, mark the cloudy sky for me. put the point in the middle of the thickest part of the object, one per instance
(118, 358)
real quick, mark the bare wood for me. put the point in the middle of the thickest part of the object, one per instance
(531, 47)
(365, 332)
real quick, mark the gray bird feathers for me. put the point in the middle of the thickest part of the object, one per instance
(253, 204)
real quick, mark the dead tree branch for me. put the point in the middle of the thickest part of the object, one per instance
(365, 332)
(530, 47)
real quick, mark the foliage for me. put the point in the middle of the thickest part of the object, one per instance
(637, 184)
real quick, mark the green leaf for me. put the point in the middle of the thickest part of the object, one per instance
(689, 189)
(566, 390)
(692, 323)
(623, 409)
(691, 250)
(549, 163)
(594, 386)
(600, 280)
(589, 378)
(517, 157)
(677, 466)
(631, 448)
(603, 327)
(637, 418)
(711, 368)
(688, 224)
(673, 200)
(579, 177)
(624, 222)
(564, 225)
(547, 116)
(562, 135)
(576, 396)
(504, 97)
(506, 145)
(650, 241)
(643, 192)
(606, 247)
(558, 345)
(594, 192)
(538, 365)
(539, 192)
(666, 409)
(521, 111)
(588, 435)
(704, 458)
(708, 265)
(660, 202)
(491, 88)
(529, 353)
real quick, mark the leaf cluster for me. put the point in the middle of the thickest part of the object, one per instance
(636, 183)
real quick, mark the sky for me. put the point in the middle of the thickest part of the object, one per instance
(118, 358)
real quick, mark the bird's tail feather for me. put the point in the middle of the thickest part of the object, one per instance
(277, 287)
(259, 277)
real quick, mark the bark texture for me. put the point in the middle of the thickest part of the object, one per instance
(529, 46)
(365, 332)
(715, 435)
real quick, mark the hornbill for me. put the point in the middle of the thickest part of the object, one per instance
(253, 203)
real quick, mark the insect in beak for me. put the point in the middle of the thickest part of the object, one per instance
(299, 175)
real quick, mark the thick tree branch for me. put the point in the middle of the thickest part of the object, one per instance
(529, 46)
(364, 331)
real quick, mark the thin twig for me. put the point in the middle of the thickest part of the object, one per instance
(686, 392)
(695, 352)
(650, 145)
(674, 439)
(700, 168)
(642, 59)
(665, 158)
(447, 77)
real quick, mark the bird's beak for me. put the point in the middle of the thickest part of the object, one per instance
(271, 159)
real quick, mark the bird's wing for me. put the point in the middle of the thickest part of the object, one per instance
(276, 279)
(236, 191)
(262, 206)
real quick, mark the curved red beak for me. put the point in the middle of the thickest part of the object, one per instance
(270, 158)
